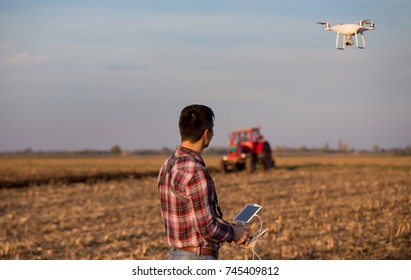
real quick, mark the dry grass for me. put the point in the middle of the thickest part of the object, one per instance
(17, 169)
(315, 208)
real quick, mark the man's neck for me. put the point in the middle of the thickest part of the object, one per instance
(197, 146)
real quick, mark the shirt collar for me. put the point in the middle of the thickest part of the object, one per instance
(180, 150)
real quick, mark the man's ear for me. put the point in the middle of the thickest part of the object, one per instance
(207, 133)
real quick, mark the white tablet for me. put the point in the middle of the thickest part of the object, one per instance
(247, 214)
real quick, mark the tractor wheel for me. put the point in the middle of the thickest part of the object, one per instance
(223, 166)
(267, 158)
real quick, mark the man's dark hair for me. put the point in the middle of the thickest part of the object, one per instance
(194, 121)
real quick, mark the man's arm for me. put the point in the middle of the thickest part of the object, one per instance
(202, 196)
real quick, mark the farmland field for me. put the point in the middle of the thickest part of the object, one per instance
(317, 207)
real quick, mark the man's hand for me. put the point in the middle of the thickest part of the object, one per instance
(242, 235)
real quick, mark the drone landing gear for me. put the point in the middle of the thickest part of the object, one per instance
(363, 41)
(336, 43)
(348, 41)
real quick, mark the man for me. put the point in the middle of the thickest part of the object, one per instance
(189, 205)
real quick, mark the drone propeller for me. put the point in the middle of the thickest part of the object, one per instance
(365, 21)
(327, 25)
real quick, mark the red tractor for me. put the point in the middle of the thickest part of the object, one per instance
(247, 149)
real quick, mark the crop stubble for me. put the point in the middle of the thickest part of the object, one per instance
(312, 212)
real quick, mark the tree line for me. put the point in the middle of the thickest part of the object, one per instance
(279, 150)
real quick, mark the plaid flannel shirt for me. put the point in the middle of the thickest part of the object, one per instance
(195, 223)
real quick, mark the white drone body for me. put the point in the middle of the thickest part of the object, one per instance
(349, 30)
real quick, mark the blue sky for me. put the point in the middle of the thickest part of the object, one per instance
(92, 74)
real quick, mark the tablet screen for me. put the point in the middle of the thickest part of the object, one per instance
(247, 213)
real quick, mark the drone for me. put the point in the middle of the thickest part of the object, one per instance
(348, 30)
